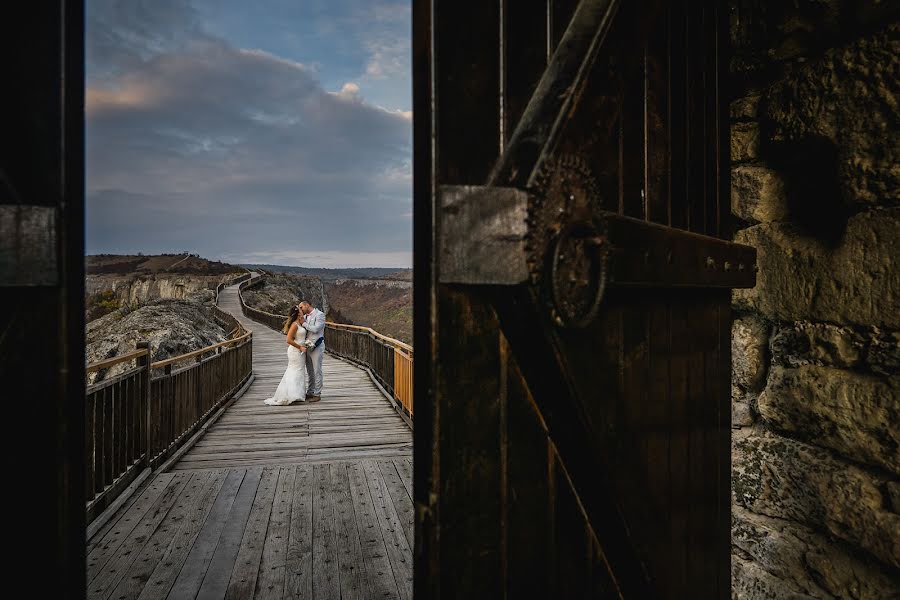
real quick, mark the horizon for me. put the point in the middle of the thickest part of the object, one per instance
(250, 263)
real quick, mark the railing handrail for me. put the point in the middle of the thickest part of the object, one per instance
(170, 361)
(110, 362)
(240, 335)
(392, 373)
(392, 341)
(259, 279)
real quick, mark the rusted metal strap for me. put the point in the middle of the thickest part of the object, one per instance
(483, 234)
(643, 254)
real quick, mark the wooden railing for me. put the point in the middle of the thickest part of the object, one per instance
(116, 428)
(138, 419)
(389, 360)
(268, 319)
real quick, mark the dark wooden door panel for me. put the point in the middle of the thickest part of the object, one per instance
(590, 461)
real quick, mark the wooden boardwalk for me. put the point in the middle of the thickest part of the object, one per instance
(352, 420)
(304, 501)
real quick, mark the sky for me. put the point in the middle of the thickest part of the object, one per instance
(272, 131)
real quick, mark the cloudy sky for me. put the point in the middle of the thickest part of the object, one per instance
(272, 131)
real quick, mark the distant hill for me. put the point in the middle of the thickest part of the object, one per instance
(139, 264)
(332, 274)
(115, 281)
(384, 305)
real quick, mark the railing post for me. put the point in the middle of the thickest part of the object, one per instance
(144, 363)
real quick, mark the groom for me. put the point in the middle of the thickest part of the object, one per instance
(314, 324)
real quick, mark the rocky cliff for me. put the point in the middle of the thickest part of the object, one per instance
(115, 281)
(816, 344)
(137, 289)
(173, 327)
(382, 304)
(278, 292)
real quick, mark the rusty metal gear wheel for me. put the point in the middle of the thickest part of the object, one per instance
(565, 251)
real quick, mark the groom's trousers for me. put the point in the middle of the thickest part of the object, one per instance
(314, 370)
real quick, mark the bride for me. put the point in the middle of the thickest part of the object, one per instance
(293, 385)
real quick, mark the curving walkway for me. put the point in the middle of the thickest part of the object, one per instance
(352, 420)
(304, 501)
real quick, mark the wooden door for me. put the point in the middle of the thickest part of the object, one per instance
(572, 299)
(42, 297)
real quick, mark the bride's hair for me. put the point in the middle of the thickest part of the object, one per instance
(295, 312)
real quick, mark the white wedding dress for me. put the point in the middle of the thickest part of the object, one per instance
(293, 385)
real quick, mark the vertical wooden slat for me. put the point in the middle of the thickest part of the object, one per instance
(120, 429)
(699, 562)
(723, 450)
(129, 420)
(98, 441)
(108, 437)
(679, 341)
(634, 432)
(525, 55)
(657, 118)
(695, 123)
(678, 198)
(466, 402)
(657, 421)
(528, 493)
(633, 84)
(561, 12)
(89, 446)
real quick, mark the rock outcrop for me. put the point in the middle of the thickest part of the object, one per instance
(136, 289)
(173, 327)
(384, 305)
(278, 293)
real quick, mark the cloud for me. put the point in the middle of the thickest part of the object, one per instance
(193, 143)
(327, 259)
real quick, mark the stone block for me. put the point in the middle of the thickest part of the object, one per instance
(788, 479)
(804, 343)
(749, 342)
(745, 108)
(863, 348)
(774, 558)
(757, 194)
(847, 99)
(800, 278)
(852, 413)
(741, 414)
(883, 352)
(744, 141)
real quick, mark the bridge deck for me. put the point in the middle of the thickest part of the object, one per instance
(353, 419)
(304, 501)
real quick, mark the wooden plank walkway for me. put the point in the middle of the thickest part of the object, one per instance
(303, 501)
(352, 420)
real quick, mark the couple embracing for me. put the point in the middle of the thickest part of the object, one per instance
(302, 381)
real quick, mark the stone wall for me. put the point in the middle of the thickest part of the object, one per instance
(816, 344)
